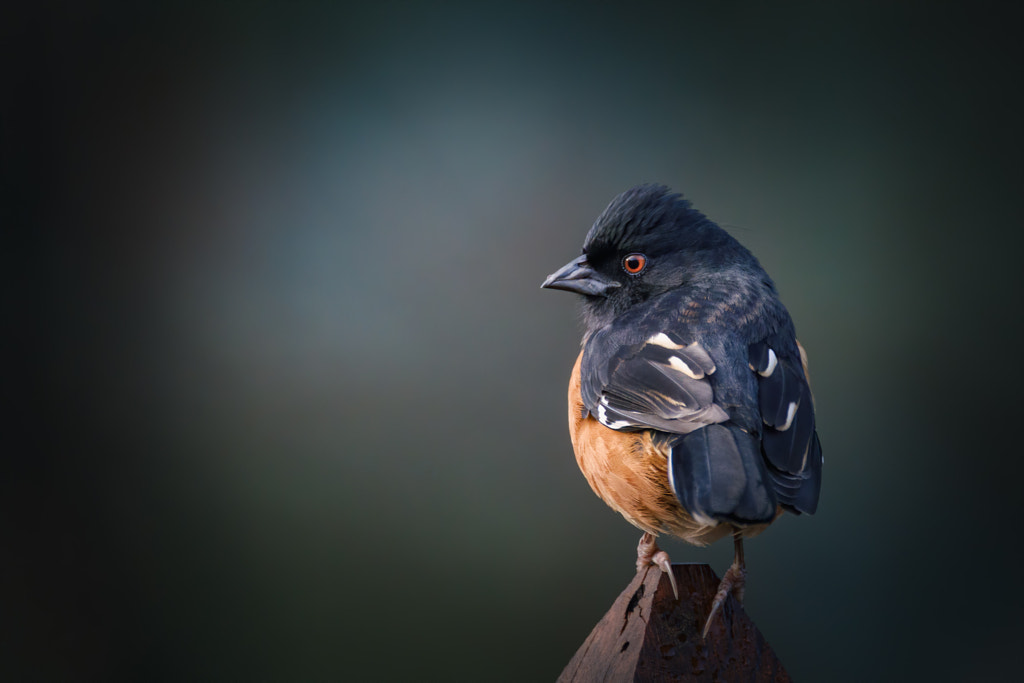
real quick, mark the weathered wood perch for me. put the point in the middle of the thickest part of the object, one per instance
(648, 636)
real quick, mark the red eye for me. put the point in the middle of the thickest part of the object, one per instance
(634, 263)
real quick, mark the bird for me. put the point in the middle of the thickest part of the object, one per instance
(690, 409)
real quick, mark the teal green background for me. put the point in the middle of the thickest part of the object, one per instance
(289, 404)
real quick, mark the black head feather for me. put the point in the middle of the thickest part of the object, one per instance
(682, 247)
(649, 214)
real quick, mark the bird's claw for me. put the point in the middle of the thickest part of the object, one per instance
(734, 582)
(648, 553)
(661, 559)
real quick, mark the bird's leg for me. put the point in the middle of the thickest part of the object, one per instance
(648, 553)
(734, 581)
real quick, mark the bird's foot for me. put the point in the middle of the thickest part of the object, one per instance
(734, 581)
(648, 553)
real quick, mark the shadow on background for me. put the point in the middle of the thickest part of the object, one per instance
(287, 402)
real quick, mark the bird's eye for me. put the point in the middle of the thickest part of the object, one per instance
(634, 263)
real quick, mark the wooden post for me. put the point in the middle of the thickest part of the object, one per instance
(648, 636)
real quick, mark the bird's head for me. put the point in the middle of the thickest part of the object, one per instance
(648, 241)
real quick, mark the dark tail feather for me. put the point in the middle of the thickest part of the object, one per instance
(718, 472)
(799, 492)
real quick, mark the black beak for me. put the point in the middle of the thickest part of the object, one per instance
(577, 276)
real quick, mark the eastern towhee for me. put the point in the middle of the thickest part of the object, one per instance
(689, 405)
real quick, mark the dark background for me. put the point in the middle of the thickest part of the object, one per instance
(284, 400)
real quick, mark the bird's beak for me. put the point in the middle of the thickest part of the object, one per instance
(577, 276)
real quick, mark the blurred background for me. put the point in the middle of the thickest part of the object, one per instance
(285, 400)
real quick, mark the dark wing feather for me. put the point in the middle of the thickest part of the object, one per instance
(660, 383)
(789, 443)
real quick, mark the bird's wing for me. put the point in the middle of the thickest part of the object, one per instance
(660, 383)
(789, 441)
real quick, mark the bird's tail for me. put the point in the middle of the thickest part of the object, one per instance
(718, 473)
